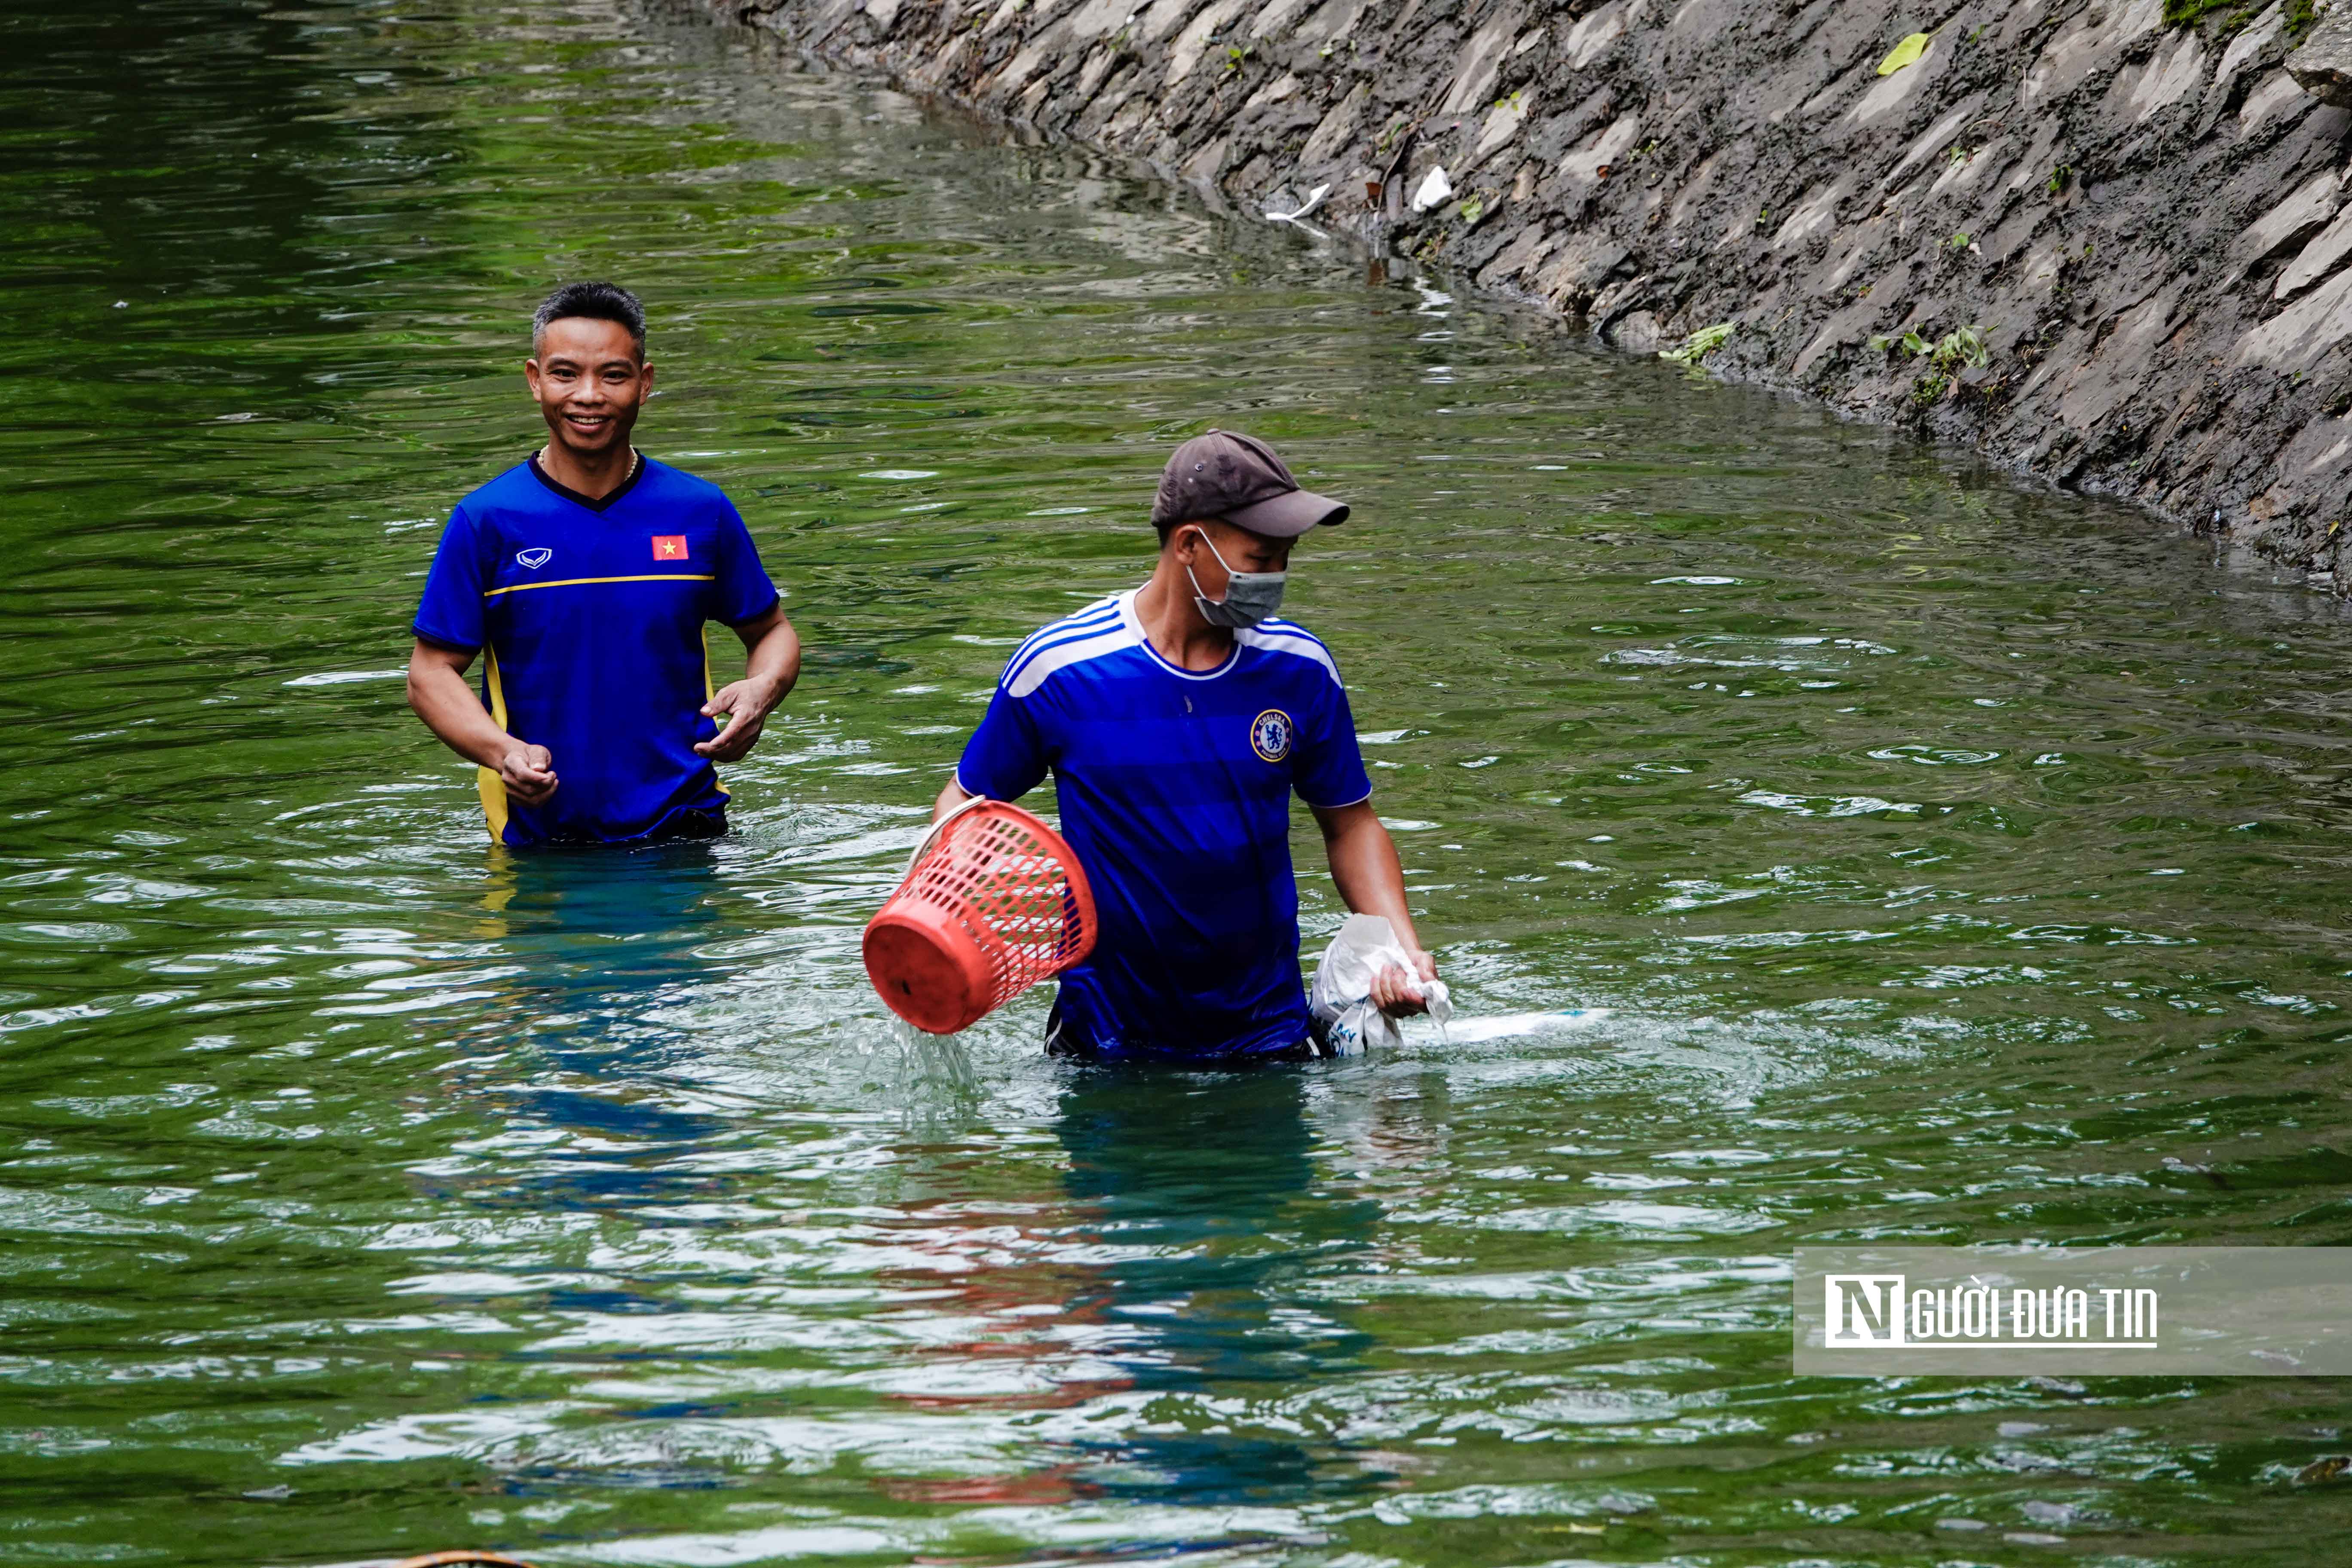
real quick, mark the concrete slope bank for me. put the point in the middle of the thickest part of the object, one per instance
(2103, 247)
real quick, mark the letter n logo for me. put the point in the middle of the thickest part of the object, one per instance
(1863, 1309)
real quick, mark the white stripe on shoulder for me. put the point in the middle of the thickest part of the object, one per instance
(1275, 625)
(1060, 655)
(1288, 637)
(1094, 618)
(1101, 609)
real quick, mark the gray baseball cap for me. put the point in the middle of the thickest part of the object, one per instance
(1239, 479)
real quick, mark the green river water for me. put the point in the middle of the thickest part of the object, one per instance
(1936, 860)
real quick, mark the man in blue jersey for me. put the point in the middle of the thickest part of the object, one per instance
(1178, 719)
(585, 577)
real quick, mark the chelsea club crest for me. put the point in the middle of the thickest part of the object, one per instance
(1270, 734)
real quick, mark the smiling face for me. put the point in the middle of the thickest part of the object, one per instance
(589, 382)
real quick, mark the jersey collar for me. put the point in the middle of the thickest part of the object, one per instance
(594, 503)
(1134, 625)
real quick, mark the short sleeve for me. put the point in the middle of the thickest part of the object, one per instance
(745, 592)
(451, 613)
(1006, 756)
(1329, 769)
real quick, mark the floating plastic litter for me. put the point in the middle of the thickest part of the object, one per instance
(993, 902)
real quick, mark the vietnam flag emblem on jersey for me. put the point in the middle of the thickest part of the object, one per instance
(669, 547)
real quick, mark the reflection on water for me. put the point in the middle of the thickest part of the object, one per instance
(1827, 841)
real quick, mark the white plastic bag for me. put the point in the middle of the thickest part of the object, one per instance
(1433, 190)
(1342, 998)
(1314, 199)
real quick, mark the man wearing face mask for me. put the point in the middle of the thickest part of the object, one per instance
(1178, 719)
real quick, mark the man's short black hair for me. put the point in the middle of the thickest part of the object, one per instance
(597, 302)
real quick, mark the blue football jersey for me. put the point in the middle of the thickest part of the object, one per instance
(1175, 791)
(590, 616)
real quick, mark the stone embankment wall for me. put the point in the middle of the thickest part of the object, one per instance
(2118, 243)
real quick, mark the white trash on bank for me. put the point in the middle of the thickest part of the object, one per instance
(1314, 199)
(1341, 996)
(1433, 190)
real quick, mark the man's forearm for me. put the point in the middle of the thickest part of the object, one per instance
(437, 690)
(953, 796)
(451, 710)
(1368, 874)
(1371, 879)
(772, 656)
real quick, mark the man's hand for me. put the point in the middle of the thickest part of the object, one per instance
(772, 663)
(747, 703)
(1371, 879)
(436, 689)
(1399, 994)
(529, 771)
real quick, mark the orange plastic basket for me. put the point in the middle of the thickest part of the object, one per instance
(993, 902)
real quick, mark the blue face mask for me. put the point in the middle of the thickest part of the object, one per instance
(1250, 597)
